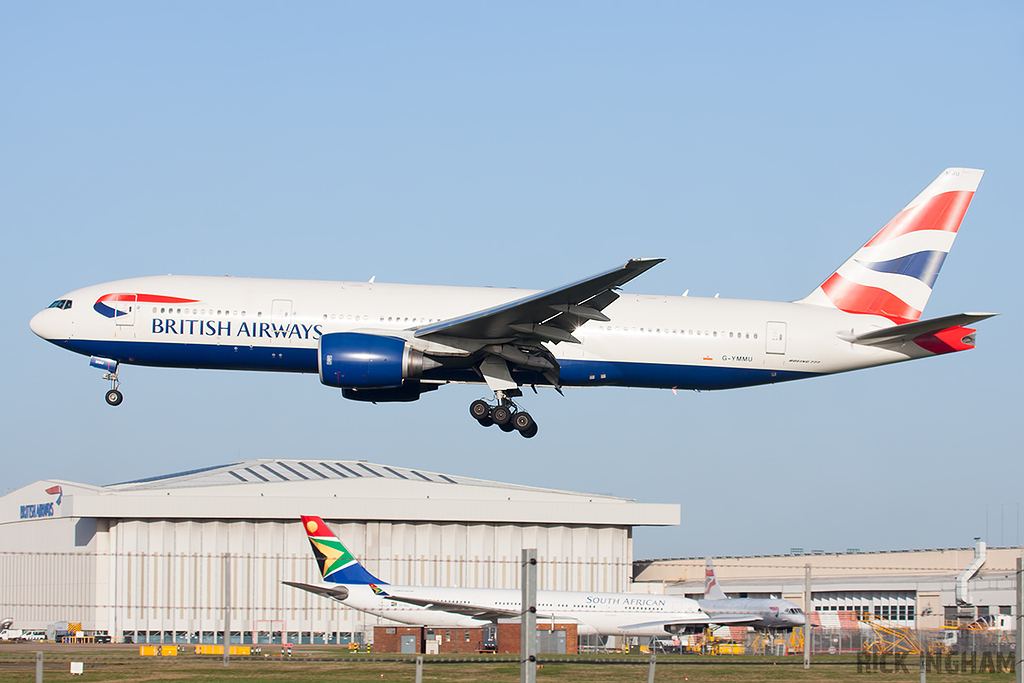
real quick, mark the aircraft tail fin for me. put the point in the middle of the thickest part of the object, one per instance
(337, 564)
(893, 274)
(712, 591)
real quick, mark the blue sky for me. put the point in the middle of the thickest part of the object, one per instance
(529, 144)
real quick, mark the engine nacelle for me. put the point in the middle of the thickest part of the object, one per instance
(409, 391)
(366, 361)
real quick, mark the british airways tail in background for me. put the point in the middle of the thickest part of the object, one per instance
(384, 342)
(763, 614)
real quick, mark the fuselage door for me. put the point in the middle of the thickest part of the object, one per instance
(775, 338)
(124, 309)
(281, 320)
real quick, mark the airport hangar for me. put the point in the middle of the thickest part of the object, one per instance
(146, 558)
(925, 589)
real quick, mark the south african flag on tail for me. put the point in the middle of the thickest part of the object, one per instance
(337, 564)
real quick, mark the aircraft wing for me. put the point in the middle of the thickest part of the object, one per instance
(899, 334)
(328, 591)
(475, 611)
(719, 620)
(550, 315)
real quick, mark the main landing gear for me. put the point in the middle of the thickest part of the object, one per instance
(505, 414)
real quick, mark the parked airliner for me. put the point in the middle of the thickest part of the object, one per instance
(764, 614)
(389, 342)
(631, 614)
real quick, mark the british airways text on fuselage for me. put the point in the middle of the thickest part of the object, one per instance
(178, 327)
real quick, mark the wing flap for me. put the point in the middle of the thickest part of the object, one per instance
(475, 611)
(719, 620)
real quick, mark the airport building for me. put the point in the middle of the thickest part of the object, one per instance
(157, 560)
(925, 589)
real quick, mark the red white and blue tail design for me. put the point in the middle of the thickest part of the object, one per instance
(712, 591)
(893, 274)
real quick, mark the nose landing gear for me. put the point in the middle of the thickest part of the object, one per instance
(505, 413)
(113, 396)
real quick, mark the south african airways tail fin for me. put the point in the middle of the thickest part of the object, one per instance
(337, 564)
(712, 591)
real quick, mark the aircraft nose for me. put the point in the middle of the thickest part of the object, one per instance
(45, 324)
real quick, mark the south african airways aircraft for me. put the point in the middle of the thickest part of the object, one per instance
(389, 342)
(629, 614)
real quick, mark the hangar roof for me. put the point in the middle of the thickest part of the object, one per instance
(265, 470)
(281, 489)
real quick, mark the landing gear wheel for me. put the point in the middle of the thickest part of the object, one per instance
(114, 397)
(531, 432)
(522, 421)
(479, 410)
(507, 427)
(486, 421)
(501, 416)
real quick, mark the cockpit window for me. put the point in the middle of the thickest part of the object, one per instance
(62, 304)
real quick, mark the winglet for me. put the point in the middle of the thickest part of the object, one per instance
(712, 591)
(337, 564)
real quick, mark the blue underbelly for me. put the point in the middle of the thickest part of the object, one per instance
(296, 359)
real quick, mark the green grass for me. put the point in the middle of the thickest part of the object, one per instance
(320, 663)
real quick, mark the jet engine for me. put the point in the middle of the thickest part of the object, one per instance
(409, 391)
(355, 360)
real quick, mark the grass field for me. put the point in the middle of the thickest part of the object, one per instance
(123, 663)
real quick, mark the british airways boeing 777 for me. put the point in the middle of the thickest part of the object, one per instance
(387, 342)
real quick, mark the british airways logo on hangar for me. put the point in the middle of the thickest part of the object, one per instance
(42, 509)
(120, 303)
(56, 491)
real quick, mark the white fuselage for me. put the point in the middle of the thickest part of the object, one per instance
(275, 325)
(774, 614)
(594, 613)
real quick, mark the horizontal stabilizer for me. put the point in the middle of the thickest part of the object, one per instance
(907, 332)
(335, 592)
